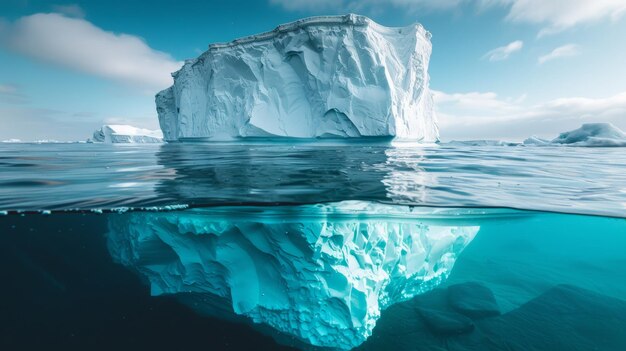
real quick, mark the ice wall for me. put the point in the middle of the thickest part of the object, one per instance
(333, 76)
(318, 273)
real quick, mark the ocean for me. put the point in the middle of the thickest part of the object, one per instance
(312, 245)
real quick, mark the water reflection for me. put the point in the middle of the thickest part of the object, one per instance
(272, 173)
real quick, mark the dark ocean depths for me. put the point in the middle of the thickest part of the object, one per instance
(546, 269)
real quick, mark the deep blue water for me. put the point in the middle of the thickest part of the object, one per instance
(546, 269)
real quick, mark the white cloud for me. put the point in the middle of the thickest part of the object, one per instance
(560, 15)
(556, 15)
(79, 45)
(503, 52)
(568, 50)
(477, 115)
(71, 10)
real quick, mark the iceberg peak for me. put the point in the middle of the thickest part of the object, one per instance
(319, 77)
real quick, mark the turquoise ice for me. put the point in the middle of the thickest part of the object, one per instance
(319, 273)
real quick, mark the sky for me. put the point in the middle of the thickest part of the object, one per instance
(500, 69)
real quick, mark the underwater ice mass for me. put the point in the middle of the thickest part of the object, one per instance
(319, 273)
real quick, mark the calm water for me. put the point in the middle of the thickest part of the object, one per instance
(176, 246)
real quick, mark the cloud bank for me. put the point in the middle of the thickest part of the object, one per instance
(555, 15)
(77, 44)
(476, 115)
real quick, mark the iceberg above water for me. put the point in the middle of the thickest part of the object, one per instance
(333, 76)
(593, 134)
(315, 275)
(588, 135)
(117, 133)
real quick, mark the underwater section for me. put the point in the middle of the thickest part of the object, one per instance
(321, 274)
(278, 277)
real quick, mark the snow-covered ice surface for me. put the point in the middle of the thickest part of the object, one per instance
(318, 273)
(119, 133)
(333, 76)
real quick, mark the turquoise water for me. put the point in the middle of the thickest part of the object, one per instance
(217, 246)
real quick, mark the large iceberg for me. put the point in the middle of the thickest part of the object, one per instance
(333, 76)
(118, 133)
(314, 274)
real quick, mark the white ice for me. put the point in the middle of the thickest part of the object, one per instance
(118, 133)
(332, 76)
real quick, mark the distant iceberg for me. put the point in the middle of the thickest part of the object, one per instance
(593, 134)
(535, 140)
(320, 77)
(117, 133)
(588, 135)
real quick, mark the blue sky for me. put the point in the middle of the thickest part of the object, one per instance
(501, 69)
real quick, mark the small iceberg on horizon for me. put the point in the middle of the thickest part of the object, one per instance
(588, 135)
(592, 134)
(125, 134)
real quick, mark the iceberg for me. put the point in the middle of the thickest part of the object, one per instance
(588, 135)
(310, 275)
(320, 77)
(117, 133)
(593, 134)
(535, 140)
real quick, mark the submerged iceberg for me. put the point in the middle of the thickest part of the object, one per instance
(117, 133)
(333, 76)
(314, 274)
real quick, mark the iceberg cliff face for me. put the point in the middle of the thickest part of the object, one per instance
(117, 134)
(318, 273)
(334, 76)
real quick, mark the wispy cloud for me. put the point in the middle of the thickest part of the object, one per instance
(10, 93)
(554, 15)
(79, 45)
(478, 115)
(503, 52)
(71, 10)
(562, 51)
(559, 15)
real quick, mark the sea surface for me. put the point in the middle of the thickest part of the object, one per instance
(546, 269)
